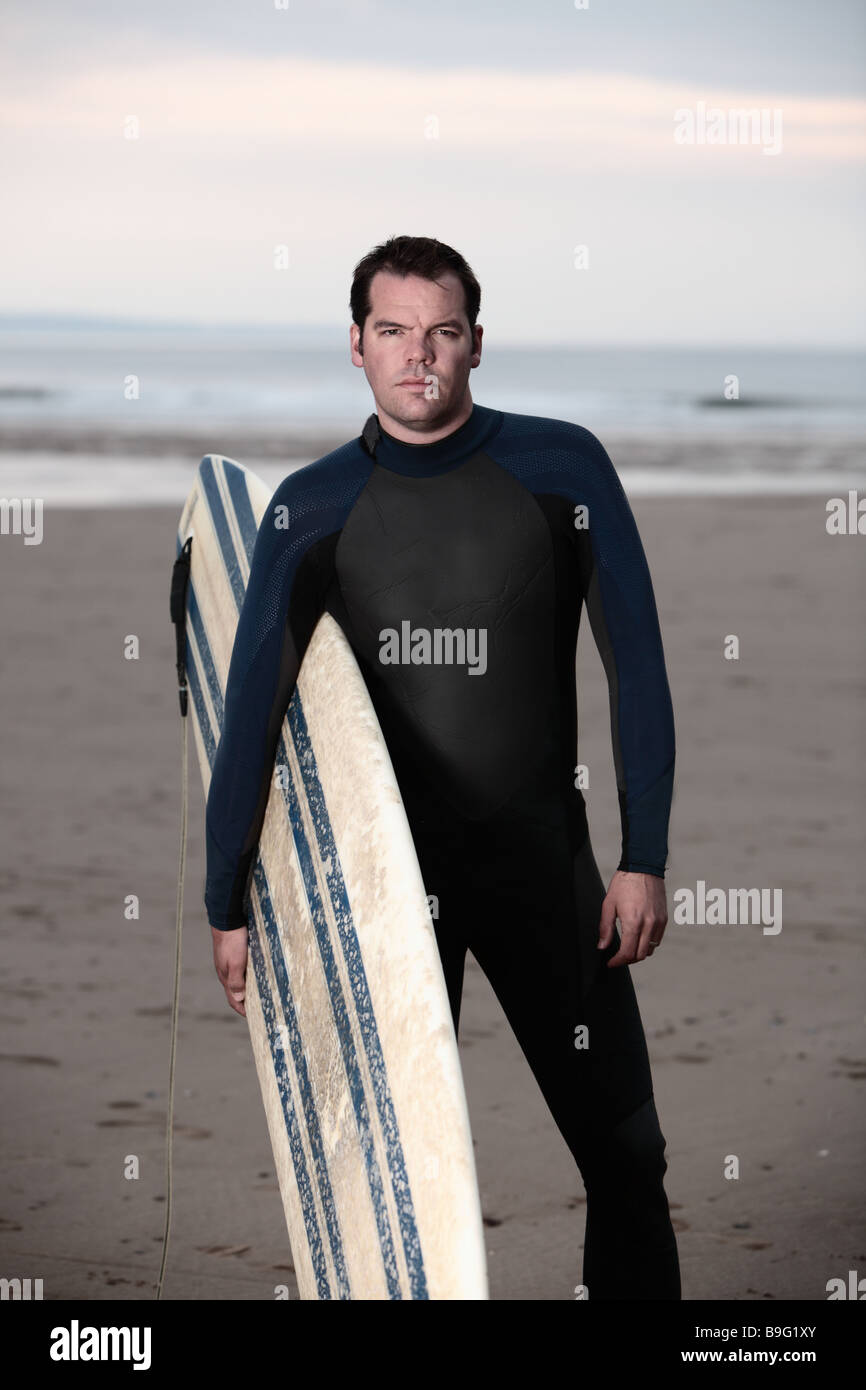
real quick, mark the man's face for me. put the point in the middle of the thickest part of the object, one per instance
(418, 349)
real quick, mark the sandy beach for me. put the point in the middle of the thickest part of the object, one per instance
(756, 1039)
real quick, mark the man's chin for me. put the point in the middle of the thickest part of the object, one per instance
(412, 408)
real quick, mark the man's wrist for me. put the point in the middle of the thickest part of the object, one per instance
(630, 866)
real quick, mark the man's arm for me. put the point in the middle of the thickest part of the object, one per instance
(262, 674)
(266, 657)
(622, 611)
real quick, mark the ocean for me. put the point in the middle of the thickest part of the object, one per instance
(798, 422)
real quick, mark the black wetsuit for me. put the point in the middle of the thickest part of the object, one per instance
(458, 571)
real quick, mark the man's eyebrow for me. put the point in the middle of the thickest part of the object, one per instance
(392, 323)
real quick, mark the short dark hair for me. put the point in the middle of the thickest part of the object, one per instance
(412, 255)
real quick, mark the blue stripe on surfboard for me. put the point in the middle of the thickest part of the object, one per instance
(281, 1074)
(207, 661)
(302, 1074)
(344, 1032)
(278, 1058)
(348, 939)
(199, 705)
(210, 489)
(237, 486)
(363, 1003)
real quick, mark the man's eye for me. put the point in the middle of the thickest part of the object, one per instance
(450, 331)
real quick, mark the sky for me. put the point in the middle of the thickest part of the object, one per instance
(275, 143)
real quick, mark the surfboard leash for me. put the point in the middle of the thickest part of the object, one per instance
(179, 586)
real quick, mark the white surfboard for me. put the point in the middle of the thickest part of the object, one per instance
(346, 1001)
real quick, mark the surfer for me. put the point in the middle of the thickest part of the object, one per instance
(445, 516)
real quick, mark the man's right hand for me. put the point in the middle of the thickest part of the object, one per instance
(230, 959)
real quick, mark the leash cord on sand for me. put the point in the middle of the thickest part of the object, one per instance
(169, 1123)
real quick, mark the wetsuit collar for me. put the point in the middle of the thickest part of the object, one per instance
(422, 460)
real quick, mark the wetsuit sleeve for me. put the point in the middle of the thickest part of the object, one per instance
(282, 602)
(622, 612)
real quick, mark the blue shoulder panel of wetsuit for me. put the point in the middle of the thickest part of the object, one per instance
(566, 460)
(306, 508)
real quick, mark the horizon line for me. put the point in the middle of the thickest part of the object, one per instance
(16, 321)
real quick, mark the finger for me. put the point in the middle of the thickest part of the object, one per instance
(232, 968)
(656, 935)
(236, 975)
(627, 947)
(646, 942)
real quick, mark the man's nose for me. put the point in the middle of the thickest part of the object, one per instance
(419, 346)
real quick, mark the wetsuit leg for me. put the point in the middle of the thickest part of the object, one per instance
(538, 951)
(630, 1249)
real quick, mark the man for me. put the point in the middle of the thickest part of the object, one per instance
(495, 528)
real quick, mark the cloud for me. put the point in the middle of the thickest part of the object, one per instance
(578, 120)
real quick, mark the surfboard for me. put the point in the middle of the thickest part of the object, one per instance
(346, 1002)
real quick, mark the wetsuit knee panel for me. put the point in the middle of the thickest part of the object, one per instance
(634, 1148)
